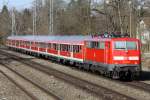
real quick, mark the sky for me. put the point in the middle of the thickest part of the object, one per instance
(18, 4)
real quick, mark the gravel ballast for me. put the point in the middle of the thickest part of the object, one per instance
(29, 87)
(64, 90)
(129, 91)
(9, 91)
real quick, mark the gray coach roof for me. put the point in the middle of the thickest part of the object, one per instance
(67, 39)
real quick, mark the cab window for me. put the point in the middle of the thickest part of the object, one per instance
(120, 45)
(129, 45)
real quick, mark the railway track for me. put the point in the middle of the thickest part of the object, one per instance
(139, 85)
(89, 87)
(22, 88)
(136, 84)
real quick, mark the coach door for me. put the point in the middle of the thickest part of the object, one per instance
(107, 52)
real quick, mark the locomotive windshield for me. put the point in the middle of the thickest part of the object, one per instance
(129, 45)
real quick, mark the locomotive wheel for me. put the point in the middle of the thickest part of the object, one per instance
(115, 75)
(86, 67)
(129, 76)
(92, 68)
(110, 74)
(126, 76)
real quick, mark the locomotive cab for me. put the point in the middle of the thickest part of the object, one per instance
(126, 56)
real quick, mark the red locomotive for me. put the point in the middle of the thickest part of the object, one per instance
(115, 57)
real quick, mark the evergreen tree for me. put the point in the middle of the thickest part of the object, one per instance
(5, 21)
(5, 24)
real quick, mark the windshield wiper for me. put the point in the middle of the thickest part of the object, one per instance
(120, 48)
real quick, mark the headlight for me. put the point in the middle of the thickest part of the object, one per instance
(118, 58)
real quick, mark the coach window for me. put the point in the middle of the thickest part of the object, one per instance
(55, 46)
(49, 45)
(28, 43)
(80, 48)
(64, 47)
(32, 43)
(68, 48)
(43, 45)
(36, 44)
(76, 48)
(8, 42)
(46, 45)
(21, 43)
(60, 47)
(25, 43)
(13, 43)
(17, 43)
(39, 44)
